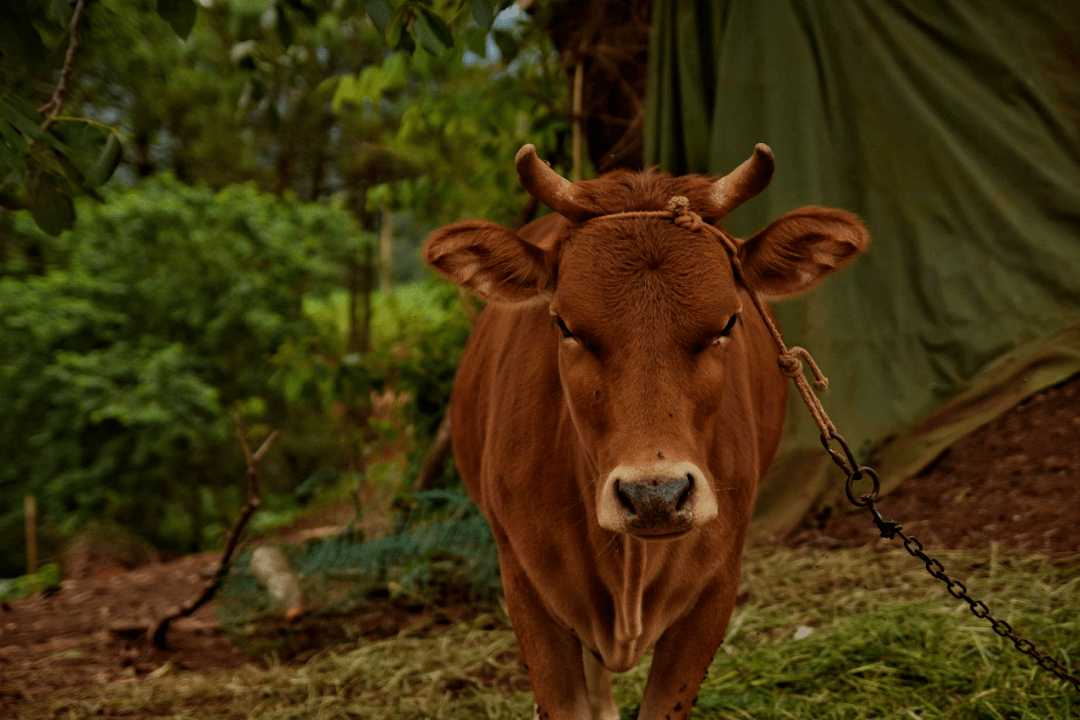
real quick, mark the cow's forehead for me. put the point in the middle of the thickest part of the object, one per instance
(635, 271)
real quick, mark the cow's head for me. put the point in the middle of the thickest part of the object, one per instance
(648, 319)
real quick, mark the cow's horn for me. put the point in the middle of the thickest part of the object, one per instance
(745, 181)
(545, 184)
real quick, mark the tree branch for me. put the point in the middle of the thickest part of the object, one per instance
(56, 104)
(436, 457)
(161, 627)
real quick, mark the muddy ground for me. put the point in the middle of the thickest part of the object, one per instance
(1014, 483)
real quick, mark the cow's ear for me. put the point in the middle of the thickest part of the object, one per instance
(490, 260)
(798, 249)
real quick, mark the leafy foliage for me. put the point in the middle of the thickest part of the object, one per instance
(44, 580)
(47, 158)
(454, 144)
(257, 66)
(125, 353)
(128, 342)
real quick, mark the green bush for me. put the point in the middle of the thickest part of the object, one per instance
(45, 579)
(417, 335)
(126, 344)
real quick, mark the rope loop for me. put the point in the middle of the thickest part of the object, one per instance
(690, 221)
(821, 383)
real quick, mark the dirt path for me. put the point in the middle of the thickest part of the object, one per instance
(89, 633)
(1015, 482)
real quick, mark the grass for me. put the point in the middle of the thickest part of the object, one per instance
(877, 638)
(881, 639)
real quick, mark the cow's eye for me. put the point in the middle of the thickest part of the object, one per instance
(725, 334)
(558, 322)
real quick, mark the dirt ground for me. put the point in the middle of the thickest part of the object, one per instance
(1014, 482)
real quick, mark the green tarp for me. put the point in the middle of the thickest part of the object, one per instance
(953, 128)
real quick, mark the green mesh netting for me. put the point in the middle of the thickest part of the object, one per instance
(441, 550)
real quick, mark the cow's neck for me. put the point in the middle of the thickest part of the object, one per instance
(628, 580)
(628, 613)
(628, 601)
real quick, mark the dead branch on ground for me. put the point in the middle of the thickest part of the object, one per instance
(161, 627)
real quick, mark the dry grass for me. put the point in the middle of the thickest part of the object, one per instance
(878, 638)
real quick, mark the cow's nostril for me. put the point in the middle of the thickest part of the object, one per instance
(684, 496)
(624, 499)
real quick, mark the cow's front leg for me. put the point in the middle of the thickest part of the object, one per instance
(683, 655)
(551, 653)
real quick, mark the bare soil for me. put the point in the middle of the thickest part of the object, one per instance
(1014, 482)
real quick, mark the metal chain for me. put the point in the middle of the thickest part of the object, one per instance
(890, 529)
(791, 366)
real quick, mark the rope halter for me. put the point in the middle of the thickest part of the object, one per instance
(679, 212)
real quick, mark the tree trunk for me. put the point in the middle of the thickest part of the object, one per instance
(386, 252)
(436, 457)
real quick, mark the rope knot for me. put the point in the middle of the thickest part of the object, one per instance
(789, 364)
(678, 205)
(684, 218)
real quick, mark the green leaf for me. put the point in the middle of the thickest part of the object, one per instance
(10, 161)
(380, 12)
(50, 203)
(13, 139)
(83, 152)
(475, 40)
(344, 91)
(508, 46)
(483, 12)
(248, 8)
(395, 26)
(106, 163)
(180, 14)
(369, 85)
(395, 72)
(70, 170)
(22, 116)
(324, 90)
(79, 139)
(432, 32)
(284, 27)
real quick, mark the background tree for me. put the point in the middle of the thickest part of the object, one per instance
(128, 341)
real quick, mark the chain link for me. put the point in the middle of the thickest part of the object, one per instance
(891, 529)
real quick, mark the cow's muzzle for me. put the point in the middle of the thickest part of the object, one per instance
(661, 501)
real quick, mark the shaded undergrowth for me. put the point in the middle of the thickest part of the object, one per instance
(846, 634)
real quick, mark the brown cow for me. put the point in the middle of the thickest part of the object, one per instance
(614, 410)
